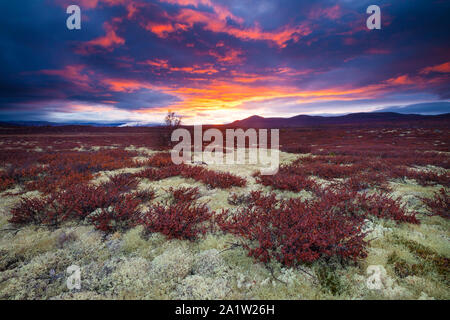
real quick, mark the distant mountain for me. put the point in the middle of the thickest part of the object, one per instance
(59, 124)
(426, 108)
(140, 124)
(349, 119)
(27, 123)
(75, 123)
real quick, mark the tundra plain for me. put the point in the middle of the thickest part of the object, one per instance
(110, 201)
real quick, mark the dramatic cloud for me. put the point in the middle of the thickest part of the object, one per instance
(220, 60)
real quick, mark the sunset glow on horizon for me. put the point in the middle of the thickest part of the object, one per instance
(219, 61)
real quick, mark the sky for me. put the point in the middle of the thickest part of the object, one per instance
(220, 61)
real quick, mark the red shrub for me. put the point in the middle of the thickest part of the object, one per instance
(366, 180)
(32, 210)
(192, 172)
(382, 206)
(60, 170)
(439, 205)
(162, 159)
(5, 182)
(158, 174)
(76, 202)
(121, 215)
(329, 171)
(211, 178)
(378, 204)
(124, 182)
(287, 181)
(80, 200)
(398, 172)
(148, 173)
(295, 149)
(238, 199)
(181, 220)
(293, 231)
(145, 195)
(184, 194)
(49, 183)
(222, 180)
(357, 184)
(258, 199)
(83, 161)
(24, 173)
(427, 178)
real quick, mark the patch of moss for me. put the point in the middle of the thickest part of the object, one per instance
(9, 261)
(431, 260)
(329, 279)
(404, 269)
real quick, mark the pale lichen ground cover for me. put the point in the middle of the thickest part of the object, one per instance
(132, 265)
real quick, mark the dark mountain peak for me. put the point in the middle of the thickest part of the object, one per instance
(359, 118)
(255, 117)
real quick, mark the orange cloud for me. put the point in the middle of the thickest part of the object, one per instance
(91, 4)
(441, 68)
(70, 72)
(126, 85)
(76, 74)
(212, 23)
(401, 80)
(217, 22)
(224, 95)
(162, 30)
(109, 41)
(237, 92)
(230, 56)
(221, 11)
(195, 69)
(186, 18)
(158, 63)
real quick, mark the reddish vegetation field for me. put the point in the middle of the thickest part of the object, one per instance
(60, 163)
(347, 171)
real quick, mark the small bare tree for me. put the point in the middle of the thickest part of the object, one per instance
(172, 121)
